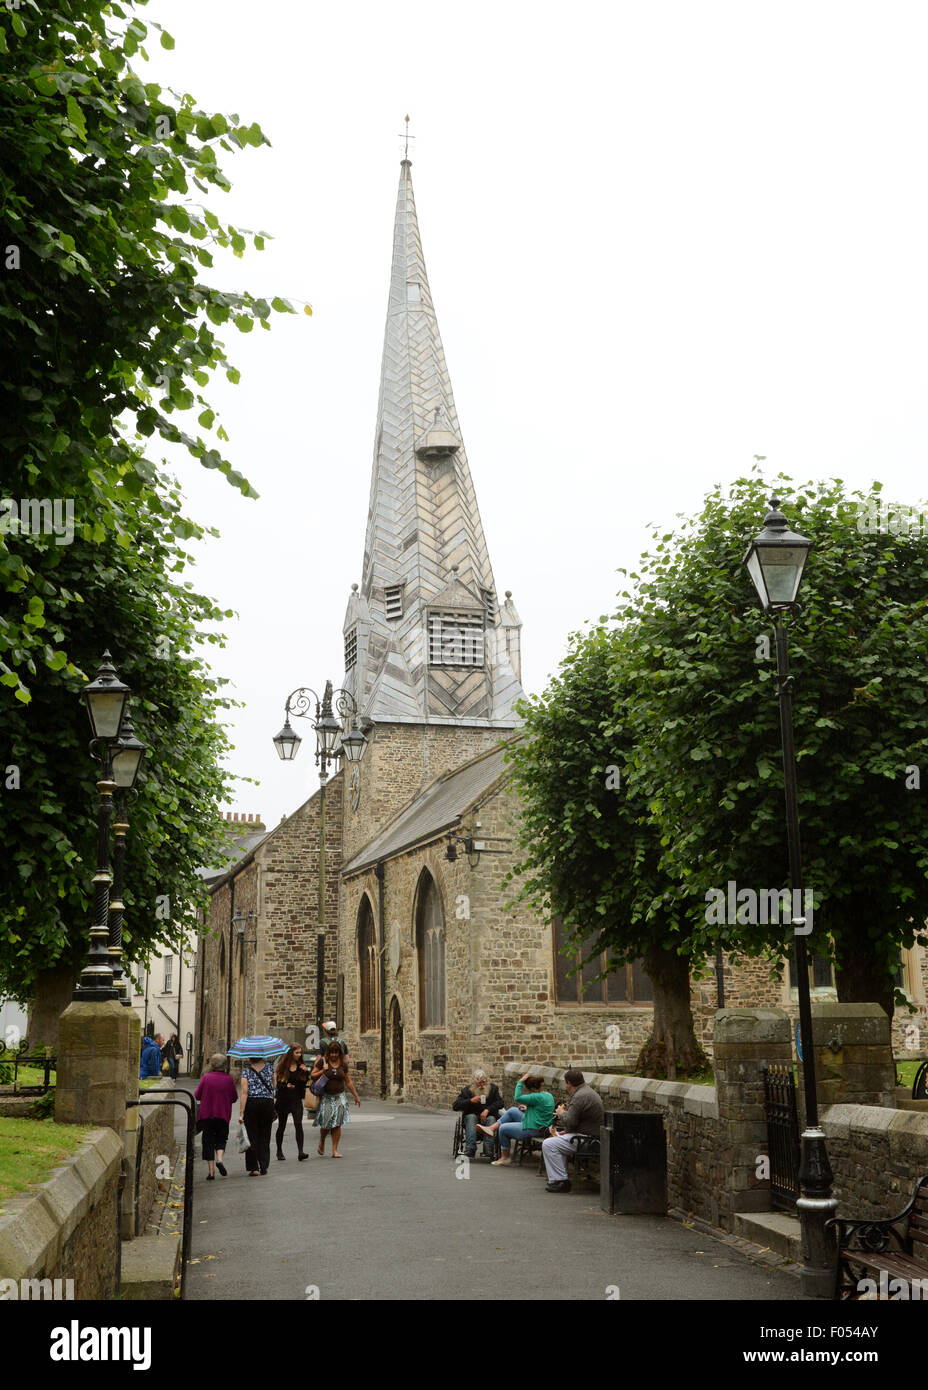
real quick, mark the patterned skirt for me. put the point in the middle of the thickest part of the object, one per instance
(332, 1112)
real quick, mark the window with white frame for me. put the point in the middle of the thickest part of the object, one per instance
(168, 974)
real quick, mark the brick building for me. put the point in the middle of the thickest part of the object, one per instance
(425, 968)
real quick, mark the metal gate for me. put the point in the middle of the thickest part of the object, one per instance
(782, 1119)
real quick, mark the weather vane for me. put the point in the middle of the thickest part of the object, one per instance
(407, 137)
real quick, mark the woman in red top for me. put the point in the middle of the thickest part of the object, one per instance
(217, 1094)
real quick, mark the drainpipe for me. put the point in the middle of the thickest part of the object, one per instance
(383, 983)
(229, 965)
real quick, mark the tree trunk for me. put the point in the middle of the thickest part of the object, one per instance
(53, 989)
(862, 980)
(672, 1048)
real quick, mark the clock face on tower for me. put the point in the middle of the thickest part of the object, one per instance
(354, 788)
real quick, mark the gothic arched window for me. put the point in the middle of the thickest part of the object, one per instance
(430, 946)
(367, 967)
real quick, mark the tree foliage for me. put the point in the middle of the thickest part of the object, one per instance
(108, 337)
(706, 727)
(679, 696)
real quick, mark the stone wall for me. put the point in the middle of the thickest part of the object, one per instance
(697, 1159)
(66, 1226)
(157, 1122)
(877, 1155)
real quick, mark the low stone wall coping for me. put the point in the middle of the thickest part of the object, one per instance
(841, 1119)
(685, 1095)
(35, 1225)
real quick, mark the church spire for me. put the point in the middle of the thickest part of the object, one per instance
(423, 639)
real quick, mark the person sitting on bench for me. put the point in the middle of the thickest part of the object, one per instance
(531, 1120)
(584, 1115)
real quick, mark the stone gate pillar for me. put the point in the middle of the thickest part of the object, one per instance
(744, 1041)
(853, 1055)
(92, 1069)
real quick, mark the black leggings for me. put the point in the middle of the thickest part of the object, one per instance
(259, 1117)
(289, 1104)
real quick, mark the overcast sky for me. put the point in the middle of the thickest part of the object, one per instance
(661, 238)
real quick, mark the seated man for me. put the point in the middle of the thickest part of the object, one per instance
(480, 1101)
(583, 1115)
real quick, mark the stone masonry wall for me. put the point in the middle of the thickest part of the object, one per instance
(66, 1226)
(696, 1147)
(157, 1143)
(877, 1155)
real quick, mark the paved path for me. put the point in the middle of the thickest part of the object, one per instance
(391, 1221)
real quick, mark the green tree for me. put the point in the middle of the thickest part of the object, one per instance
(107, 336)
(591, 852)
(699, 681)
(106, 332)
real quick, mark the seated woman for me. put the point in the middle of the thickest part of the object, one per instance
(530, 1120)
(480, 1101)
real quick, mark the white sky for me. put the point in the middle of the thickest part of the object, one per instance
(660, 237)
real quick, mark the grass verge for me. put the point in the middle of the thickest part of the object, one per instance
(30, 1149)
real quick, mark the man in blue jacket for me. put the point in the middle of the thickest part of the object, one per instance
(151, 1059)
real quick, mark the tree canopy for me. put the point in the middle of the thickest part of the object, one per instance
(679, 695)
(108, 337)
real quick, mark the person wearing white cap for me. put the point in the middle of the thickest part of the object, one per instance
(329, 1036)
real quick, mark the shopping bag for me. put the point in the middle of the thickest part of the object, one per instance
(243, 1141)
(311, 1102)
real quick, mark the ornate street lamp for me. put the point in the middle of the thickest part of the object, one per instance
(332, 742)
(105, 698)
(127, 755)
(775, 560)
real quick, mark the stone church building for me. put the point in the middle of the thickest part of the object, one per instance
(425, 968)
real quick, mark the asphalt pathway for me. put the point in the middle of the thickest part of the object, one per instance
(390, 1220)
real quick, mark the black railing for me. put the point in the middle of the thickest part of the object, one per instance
(10, 1063)
(188, 1102)
(782, 1119)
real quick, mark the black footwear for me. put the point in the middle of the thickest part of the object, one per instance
(300, 1157)
(470, 1153)
(264, 1174)
(558, 1186)
(222, 1168)
(280, 1156)
(211, 1177)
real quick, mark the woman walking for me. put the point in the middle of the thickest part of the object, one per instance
(216, 1094)
(256, 1109)
(333, 1107)
(292, 1080)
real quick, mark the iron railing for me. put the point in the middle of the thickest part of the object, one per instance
(45, 1060)
(782, 1118)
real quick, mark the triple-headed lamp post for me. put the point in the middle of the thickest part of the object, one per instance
(332, 742)
(775, 561)
(119, 754)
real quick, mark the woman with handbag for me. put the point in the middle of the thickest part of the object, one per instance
(256, 1109)
(292, 1080)
(328, 1080)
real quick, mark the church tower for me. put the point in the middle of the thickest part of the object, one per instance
(427, 640)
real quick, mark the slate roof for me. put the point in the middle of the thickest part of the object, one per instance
(436, 809)
(423, 530)
(238, 849)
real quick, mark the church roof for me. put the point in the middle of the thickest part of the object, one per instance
(435, 810)
(424, 545)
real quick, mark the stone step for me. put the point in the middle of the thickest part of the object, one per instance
(773, 1230)
(150, 1267)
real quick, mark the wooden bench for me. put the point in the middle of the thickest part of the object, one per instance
(895, 1248)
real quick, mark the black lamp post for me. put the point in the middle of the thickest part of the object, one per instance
(127, 755)
(331, 743)
(105, 698)
(775, 561)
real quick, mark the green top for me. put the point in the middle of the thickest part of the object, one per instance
(539, 1108)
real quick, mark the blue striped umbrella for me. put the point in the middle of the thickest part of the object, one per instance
(263, 1047)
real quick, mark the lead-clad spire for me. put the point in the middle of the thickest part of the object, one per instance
(413, 649)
